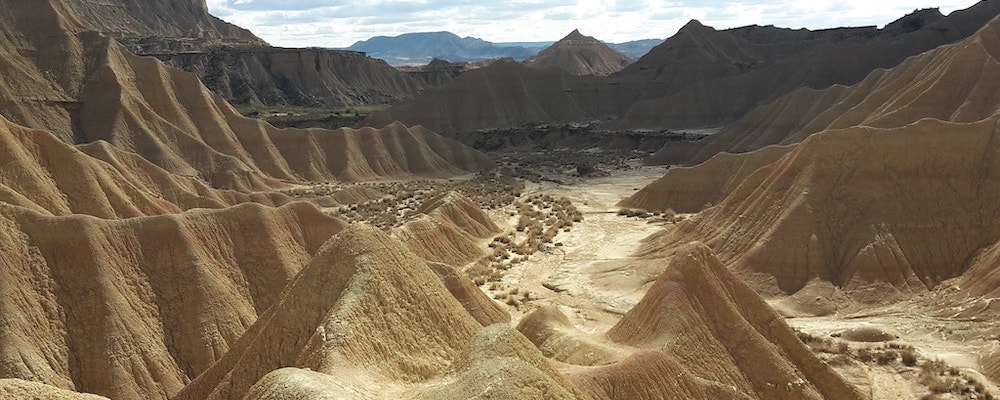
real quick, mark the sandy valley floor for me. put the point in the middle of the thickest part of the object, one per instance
(590, 273)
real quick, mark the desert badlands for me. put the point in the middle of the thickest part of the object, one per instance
(189, 213)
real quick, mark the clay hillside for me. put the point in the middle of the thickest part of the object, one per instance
(691, 79)
(580, 55)
(886, 98)
(339, 330)
(701, 77)
(503, 94)
(98, 91)
(234, 63)
(872, 196)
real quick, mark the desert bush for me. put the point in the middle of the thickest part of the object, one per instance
(908, 357)
(885, 357)
(864, 355)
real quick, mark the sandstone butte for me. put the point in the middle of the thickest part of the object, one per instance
(580, 55)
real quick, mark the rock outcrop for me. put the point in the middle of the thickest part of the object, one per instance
(698, 332)
(701, 77)
(691, 189)
(22, 389)
(580, 55)
(893, 189)
(261, 76)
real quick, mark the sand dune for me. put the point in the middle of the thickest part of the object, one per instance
(580, 55)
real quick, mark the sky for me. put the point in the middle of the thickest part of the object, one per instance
(340, 23)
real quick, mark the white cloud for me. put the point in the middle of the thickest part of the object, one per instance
(339, 23)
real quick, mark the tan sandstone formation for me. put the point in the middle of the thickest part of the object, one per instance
(18, 388)
(95, 90)
(136, 308)
(502, 94)
(365, 312)
(691, 189)
(448, 229)
(237, 65)
(908, 205)
(43, 174)
(894, 189)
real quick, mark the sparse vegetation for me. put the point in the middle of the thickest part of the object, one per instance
(941, 380)
(303, 117)
(489, 190)
(540, 219)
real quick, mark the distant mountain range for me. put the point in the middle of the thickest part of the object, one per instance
(421, 48)
(636, 48)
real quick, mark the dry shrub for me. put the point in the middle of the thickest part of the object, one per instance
(909, 357)
(885, 357)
